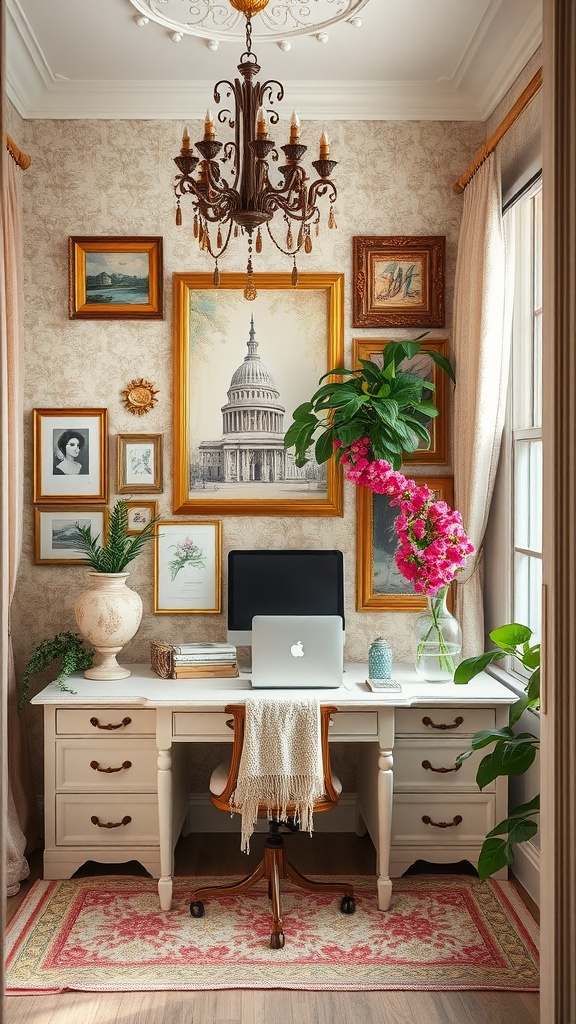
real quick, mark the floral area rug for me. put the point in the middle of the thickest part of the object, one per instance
(108, 934)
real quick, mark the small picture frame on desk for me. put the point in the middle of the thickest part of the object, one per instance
(187, 567)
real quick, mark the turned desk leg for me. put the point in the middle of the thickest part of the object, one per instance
(165, 828)
(385, 787)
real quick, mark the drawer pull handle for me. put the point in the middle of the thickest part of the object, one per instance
(442, 824)
(110, 824)
(109, 771)
(442, 725)
(441, 771)
(119, 725)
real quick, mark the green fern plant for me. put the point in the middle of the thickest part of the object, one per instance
(120, 547)
(68, 648)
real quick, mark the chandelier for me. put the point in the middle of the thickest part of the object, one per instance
(248, 200)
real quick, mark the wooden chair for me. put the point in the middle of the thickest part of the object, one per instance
(274, 866)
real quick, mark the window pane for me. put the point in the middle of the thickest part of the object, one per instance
(528, 494)
(527, 593)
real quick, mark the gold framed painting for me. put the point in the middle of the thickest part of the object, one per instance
(241, 368)
(70, 456)
(424, 366)
(398, 281)
(115, 277)
(188, 567)
(138, 463)
(140, 513)
(380, 585)
(55, 534)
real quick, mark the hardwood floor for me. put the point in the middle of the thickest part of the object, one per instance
(211, 854)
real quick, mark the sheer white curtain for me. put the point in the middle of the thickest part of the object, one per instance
(482, 321)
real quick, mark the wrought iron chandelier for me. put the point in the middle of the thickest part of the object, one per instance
(249, 200)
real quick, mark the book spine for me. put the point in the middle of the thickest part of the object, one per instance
(212, 649)
(229, 672)
(203, 659)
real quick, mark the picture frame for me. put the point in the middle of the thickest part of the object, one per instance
(398, 281)
(115, 277)
(371, 349)
(54, 536)
(139, 463)
(379, 585)
(140, 513)
(78, 475)
(188, 567)
(286, 339)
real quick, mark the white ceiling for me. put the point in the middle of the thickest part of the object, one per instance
(410, 59)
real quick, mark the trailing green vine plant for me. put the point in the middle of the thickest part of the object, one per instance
(513, 753)
(68, 648)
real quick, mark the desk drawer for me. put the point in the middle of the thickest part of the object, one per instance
(121, 820)
(437, 819)
(427, 764)
(104, 721)
(363, 724)
(126, 765)
(442, 722)
(201, 725)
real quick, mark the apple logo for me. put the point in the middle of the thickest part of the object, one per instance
(297, 650)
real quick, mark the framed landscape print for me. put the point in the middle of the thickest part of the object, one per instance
(380, 586)
(140, 513)
(398, 281)
(55, 532)
(138, 463)
(70, 456)
(424, 366)
(187, 567)
(115, 277)
(241, 368)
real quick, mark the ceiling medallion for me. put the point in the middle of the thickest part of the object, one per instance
(139, 396)
(246, 200)
(214, 19)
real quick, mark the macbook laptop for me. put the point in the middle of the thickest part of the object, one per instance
(297, 651)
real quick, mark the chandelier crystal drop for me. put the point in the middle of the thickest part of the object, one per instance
(247, 200)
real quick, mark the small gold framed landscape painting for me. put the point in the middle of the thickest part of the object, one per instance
(140, 513)
(70, 456)
(398, 281)
(187, 567)
(55, 533)
(115, 277)
(138, 463)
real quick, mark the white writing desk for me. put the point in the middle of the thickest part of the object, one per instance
(116, 785)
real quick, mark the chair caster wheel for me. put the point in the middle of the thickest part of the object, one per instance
(197, 908)
(276, 940)
(348, 905)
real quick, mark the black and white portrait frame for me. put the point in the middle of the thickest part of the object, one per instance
(70, 456)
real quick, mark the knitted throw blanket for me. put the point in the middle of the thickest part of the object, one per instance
(281, 762)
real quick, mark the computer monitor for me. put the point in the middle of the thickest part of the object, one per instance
(282, 582)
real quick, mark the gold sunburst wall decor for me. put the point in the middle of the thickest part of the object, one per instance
(140, 396)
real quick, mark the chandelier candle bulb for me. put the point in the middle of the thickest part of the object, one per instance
(294, 127)
(209, 130)
(324, 146)
(261, 126)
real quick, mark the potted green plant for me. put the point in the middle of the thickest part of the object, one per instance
(109, 613)
(66, 647)
(512, 753)
(387, 405)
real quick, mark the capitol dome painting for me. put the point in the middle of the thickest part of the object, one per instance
(251, 448)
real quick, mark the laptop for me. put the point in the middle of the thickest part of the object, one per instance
(297, 651)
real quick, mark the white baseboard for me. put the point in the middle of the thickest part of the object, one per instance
(526, 868)
(204, 817)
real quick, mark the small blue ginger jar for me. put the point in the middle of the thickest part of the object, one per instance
(380, 659)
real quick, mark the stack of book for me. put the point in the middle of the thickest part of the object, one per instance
(213, 661)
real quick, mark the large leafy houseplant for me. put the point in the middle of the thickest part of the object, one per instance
(388, 405)
(120, 548)
(512, 753)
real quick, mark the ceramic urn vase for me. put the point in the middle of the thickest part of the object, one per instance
(108, 616)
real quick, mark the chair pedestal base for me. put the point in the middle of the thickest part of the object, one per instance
(274, 867)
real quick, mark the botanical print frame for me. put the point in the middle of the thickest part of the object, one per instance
(398, 281)
(187, 567)
(140, 513)
(115, 277)
(54, 534)
(379, 585)
(77, 472)
(240, 371)
(138, 463)
(424, 366)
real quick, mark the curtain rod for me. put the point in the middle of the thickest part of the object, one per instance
(22, 159)
(521, 103)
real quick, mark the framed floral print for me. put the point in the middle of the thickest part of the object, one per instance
(187, 567)
(380, 586)
(70, 456)
(140, 513)
(138, 463)
(115, 277)
(398, 281)
(55, 532)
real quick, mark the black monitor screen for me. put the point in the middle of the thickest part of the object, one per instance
(283, 582)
